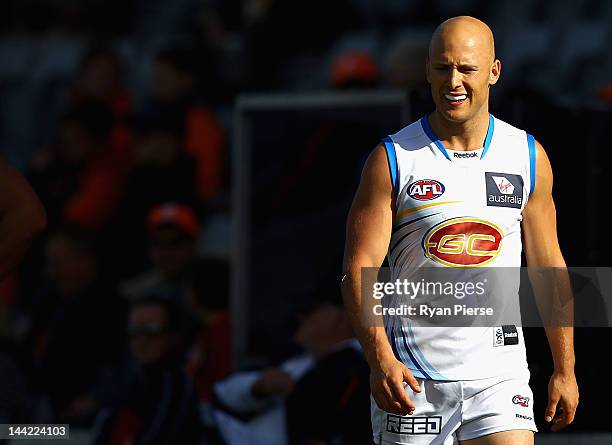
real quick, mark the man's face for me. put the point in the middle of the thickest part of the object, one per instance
(150, 340)
(460, 71)
(171, 250)
(316, 327)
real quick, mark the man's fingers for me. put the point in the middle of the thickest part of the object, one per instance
(568, 410)
(389, 391)
(385, 402)
(564, 417)
(559, 423)
(380, 402)
(411, 380)
(551, 409)
(569, 416)
(399, 394)
(386, 399)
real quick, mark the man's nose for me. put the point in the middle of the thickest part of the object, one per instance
(455, 79)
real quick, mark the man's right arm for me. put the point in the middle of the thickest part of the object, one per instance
(22, 217)
(368, 233)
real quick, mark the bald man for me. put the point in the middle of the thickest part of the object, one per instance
(457, 188)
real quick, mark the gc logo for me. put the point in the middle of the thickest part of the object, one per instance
(463, 242)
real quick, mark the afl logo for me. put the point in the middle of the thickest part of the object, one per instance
(425, 189)
(463, 242)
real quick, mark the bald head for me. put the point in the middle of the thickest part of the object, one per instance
(465, 31)
(461, 67)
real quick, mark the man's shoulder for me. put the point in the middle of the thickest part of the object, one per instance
(506, 129)
(410, 136)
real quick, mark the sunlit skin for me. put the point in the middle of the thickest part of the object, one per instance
(462, 61)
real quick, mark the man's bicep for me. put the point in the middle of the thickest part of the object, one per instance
(539, 218)
(370, 217)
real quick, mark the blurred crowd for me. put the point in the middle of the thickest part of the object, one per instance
(117, 322)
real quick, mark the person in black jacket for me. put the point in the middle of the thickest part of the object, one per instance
(155, 402)
(319, 397)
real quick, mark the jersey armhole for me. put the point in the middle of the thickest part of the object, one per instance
(532, 162)
(392, 160)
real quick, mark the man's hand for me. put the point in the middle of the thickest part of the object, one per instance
(273, 381)
(387, 385)
(562, 400)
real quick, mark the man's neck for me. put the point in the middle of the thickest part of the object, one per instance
(461, 136)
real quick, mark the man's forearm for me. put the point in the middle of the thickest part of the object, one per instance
(369, 329)
(554, 299)
(561, 341)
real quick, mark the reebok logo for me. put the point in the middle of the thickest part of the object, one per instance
(467, 154)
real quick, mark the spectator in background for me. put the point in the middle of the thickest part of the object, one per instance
(303, 189)
(354, 69)
(162, 172)
(78, 180)
(73, 331)
(210, 357)
(175, 93)
(100, 78)
(156, 402)
(172, 238)
(403, 71)
(329, 403)
(282, 31)
(320, 396)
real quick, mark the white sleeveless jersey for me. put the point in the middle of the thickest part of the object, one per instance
(458, 209)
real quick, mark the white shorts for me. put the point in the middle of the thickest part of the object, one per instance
(447, 412)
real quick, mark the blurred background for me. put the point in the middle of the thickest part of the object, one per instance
(197, 159)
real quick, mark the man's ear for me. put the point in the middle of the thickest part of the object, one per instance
(495, 72)
(427, 70)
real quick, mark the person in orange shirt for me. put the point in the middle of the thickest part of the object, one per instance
(174, 90)
(79, 180)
